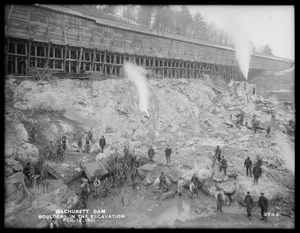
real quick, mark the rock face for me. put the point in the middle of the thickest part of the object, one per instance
(209, 187)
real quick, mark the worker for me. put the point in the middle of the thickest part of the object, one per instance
(105, 187)
(249, 204)
(180, 184)
(163, 182)
(138, 161)
(220, 200)
(51, 153)
(263, 203)
(133, 177)
(90, 135)
(151, 154)
(126, 152)
(96, 186)
(248, 166)
(53, 223)
(87, 145)
(102, 143)
(79, 143)
(218, 153)
(268, 135)
(168, 153)
(60, 153)
(131, 159)
(117, 179)
(223, 165)
(256, 173)
(194, 185)
(32, 134)
(84, 194)
(64, 144)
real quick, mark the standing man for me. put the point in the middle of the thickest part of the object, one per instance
(263, 203)
(105, 187)
(220, 200)
(248, 166)
(268, 135)
(223, 165)
(180, 184)
(133, 177)
(60, 153)
(96, 186)
(168, 153)
(102, 143)
(90, 135)
(151, 154)
(79, 145)
(256, 173)
(51, 151)
(32, 134)
(218, 154)
(87, 145)
(249, 204)
(64, 144)
(194, 185)
(84, 194)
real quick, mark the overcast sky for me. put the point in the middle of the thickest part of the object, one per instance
(273, 25)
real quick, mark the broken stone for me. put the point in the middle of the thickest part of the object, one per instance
(168, 195)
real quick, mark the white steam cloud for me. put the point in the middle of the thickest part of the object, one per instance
(137, 75)
(243, 50)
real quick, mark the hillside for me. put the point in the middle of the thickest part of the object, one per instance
(192, 116)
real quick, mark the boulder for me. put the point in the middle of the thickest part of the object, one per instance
(27, 152)
(8, 171)
(105, 155)
(269, 187)
(228, 187)
(143, 170)
(209, 187)
(15, 165)
(168, 195)
(219, 176)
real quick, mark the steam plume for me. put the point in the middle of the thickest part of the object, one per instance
(137, 75)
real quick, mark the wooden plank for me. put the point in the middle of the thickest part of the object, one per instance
(8, 19)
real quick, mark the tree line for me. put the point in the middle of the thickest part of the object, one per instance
(164, 18)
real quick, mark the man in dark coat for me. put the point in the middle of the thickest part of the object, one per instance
(133, 177)
(218, 154)
(64, 144)
(249, 204)
(87, 145)
(268, 135)
(151, 154)
(223, 165)
(126, 152)
(32, 134)
(220, 201)
(60, 153)
(90, 135)
(168, 153)
(263, 203)
(102, 143)
(79, 145)
(256, 173)
(248, 166)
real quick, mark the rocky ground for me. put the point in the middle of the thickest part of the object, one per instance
(192, 116)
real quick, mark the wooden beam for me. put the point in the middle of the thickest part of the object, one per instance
(65, 57)
(94, 58)
(79, 62)
(65, 33)
(8, 20)
(6, 55)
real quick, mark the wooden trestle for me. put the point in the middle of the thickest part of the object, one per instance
(57, 39)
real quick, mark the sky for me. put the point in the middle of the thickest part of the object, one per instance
(272, 25)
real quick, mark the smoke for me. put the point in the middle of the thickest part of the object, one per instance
(137, 75)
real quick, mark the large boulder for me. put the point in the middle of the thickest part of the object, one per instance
(13, 164)
(270, 189)
(228, 187)
(27, 152)
(143, 170)
(209, 187)
(15, 187)
(167, 195)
